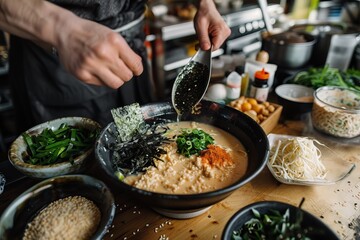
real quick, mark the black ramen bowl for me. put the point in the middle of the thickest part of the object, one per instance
(237, 221)
(24, 208)
(244, 128)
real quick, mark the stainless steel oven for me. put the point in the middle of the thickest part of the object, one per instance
(246, 26)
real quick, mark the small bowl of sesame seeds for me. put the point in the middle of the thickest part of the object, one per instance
(64, 207)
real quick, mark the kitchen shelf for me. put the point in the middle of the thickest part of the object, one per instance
(183, 62)
(177, 31)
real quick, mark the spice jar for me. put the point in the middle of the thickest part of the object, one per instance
(260, 88)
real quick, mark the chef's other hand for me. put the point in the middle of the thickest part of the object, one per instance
(90, 51)
(210, 26)
(97, 55)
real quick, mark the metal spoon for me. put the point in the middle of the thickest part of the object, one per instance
(192, 82)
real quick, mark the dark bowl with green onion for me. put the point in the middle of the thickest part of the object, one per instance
(275, 220)
(54, 148)
(244, 128)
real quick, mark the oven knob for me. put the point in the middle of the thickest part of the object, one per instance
(242, 29)
(261, 24)
(255, 25)
(248, 27)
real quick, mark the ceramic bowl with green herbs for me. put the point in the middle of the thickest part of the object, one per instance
(57, 147)
(275, 220)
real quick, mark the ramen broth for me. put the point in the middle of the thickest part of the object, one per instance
(177, 174)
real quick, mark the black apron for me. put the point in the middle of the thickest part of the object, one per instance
(42, 90)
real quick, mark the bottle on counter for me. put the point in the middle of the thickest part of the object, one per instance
(233, 85)
(245, 84)
(261, 61)
(259, 87)
(244, 80)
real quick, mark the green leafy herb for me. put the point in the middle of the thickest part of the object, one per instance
(55, 146)
(352, 78)
(327, 76)
(272, 226)
(193, 141)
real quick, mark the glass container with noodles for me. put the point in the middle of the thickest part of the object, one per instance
(336, 111)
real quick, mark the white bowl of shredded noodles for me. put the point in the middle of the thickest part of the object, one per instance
(336, 111)
(303, 160)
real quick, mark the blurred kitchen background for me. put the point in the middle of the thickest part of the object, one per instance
(171, 42)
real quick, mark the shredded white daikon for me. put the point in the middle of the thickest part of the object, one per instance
(297, 158)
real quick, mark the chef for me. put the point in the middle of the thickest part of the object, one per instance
(77, 57)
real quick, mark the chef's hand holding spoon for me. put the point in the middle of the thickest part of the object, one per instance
(193, 80)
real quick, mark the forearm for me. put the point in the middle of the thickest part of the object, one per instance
(36, 20)
(90, 51)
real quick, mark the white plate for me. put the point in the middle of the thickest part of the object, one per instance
(337, 168)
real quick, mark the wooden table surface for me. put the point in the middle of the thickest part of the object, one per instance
(336, 205)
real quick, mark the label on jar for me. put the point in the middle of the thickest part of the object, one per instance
(259, 94)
